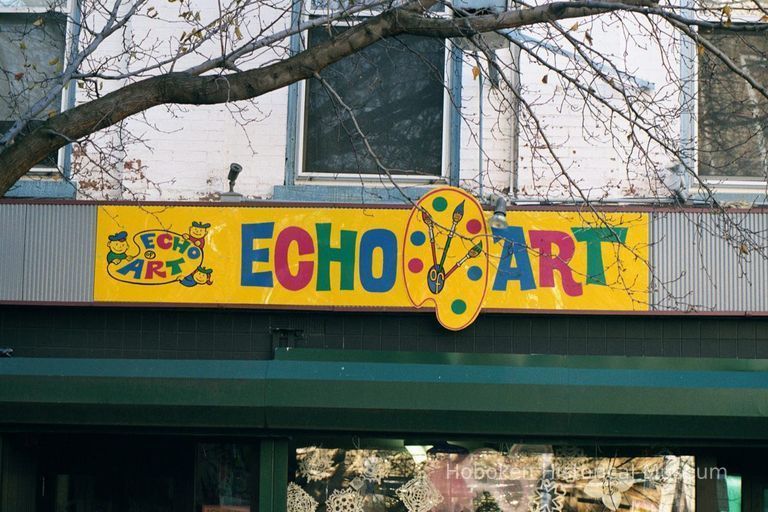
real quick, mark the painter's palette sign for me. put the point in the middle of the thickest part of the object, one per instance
(440, 254)
(444, 261)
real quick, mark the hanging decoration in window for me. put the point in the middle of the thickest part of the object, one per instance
(571, 463)
(420, 494)
(609, 489)
(526, 478)
(347, 500)
(299, 500)
(549, 497)
(375, 468)
(317, 464)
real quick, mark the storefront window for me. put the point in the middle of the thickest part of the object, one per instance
(144, 474)
(451, 478)
(226, 478)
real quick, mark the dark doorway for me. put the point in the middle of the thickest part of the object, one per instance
(116, 474)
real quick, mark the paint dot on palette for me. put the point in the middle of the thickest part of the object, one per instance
(439, 204)
(475, 273)
(418, 238)
(458, 306)
(415, 265)
(473, 226)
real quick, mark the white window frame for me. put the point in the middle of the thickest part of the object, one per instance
(326, 178)
(718, 184)
(69, 9)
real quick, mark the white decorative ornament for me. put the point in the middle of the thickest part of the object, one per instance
(609, 490)
(550, 497)
(572, 464)
(357, 483)
(376, 468)
(317, 464)
(346, 500)
(419, 494)
(299, 500)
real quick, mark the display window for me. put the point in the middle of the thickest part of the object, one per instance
(90, 473)
(455, 477)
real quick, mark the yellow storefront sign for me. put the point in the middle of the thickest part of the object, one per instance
(441, 254)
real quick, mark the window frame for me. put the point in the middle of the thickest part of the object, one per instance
(724, 187)
(449, 124)
(722, 180)
(70, 9)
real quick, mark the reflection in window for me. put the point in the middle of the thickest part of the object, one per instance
(488, 480)
(733, 132)
(225, 481)
(31, 57)
(395, 90)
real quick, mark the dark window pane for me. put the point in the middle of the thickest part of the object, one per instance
(226, 478)
(31, 53)
(395, 89)
(733, 117)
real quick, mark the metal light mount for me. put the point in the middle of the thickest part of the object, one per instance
(232, 197)
(234, 170)
(499, 217)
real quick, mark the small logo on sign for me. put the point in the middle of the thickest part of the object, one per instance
(159, 256)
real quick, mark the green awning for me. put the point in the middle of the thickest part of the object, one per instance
(331, 391)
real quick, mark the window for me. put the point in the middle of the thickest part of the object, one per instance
(733, 117)
(32, 48)
(396, 91)
(450, 477)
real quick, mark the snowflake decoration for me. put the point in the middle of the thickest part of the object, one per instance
(419, 494)
(523, 456)
(317, 464)
(550, 497)
(572, 464)
(376, 468)
(346, 500)
(299, 500)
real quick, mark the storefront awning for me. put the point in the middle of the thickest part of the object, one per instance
(359, 392)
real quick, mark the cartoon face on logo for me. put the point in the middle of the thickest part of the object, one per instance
(444, 259)
(197, 232)
(201, 275)
(117, 248)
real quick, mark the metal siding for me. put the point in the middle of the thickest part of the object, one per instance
(59, 247)
(710, 261)
(12, 220)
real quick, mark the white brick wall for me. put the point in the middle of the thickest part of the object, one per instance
(184, 152)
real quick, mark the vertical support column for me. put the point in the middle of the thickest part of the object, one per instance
(69, 98)
(293, 103)
(706, 485)
(2, 473)
(273, 475)
(688, 126)
(454, 135)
